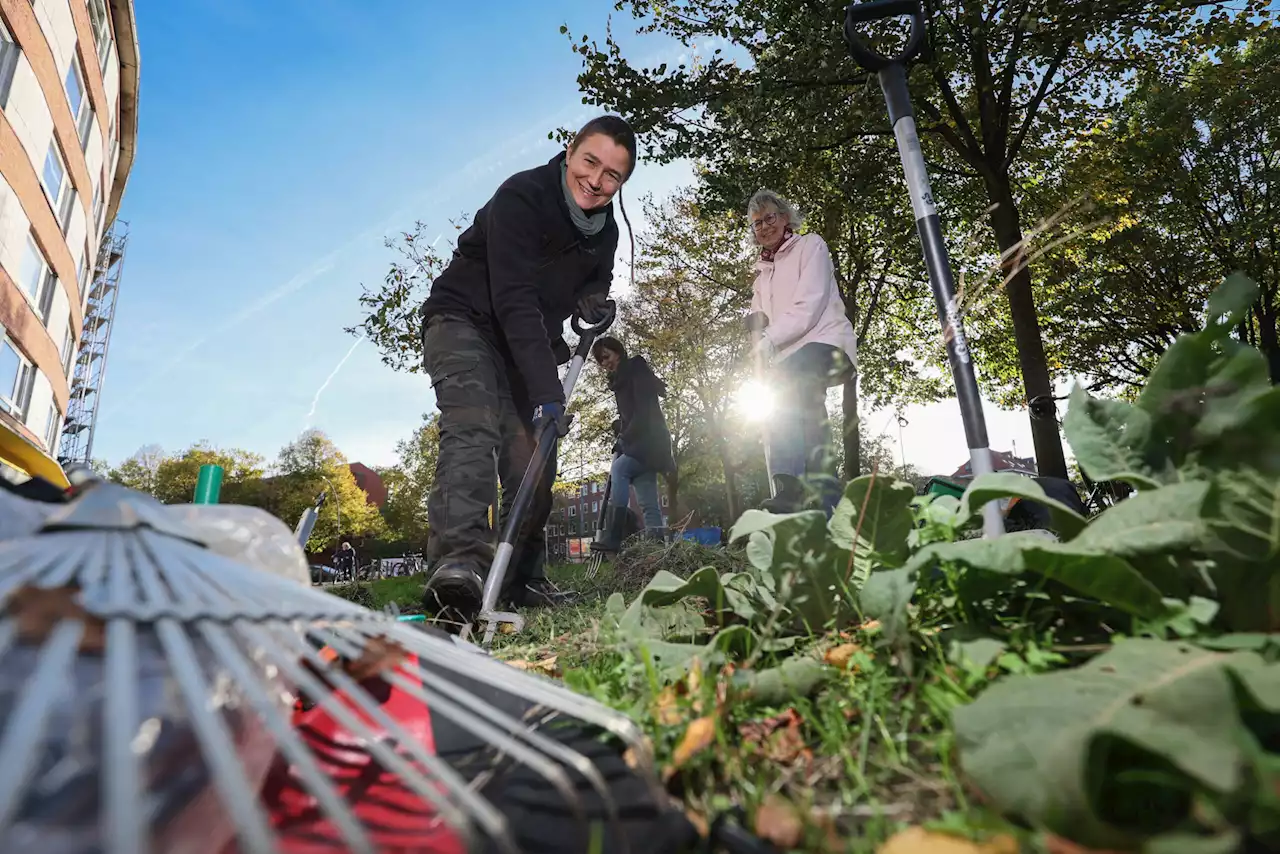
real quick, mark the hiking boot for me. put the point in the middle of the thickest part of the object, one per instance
(789, 496)
(454, 591)
(609, 539)
(658, 535)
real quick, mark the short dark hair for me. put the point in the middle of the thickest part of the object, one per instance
(608, 342)
(614, 127)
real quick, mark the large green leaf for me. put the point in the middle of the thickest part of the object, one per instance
(873, 521)
(708, 584)
(1074, 750)
(997, 485)
(885, 597)
(1102, 576)
(1154, 521)
(1230, 302)
(1109, 439)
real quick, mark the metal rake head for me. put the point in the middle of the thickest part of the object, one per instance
(169, 681)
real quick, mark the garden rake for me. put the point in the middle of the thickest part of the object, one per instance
(546, 439)
(596, 560)
(892, 72)
(171, 683)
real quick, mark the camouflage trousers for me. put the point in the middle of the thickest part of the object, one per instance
(486, 438)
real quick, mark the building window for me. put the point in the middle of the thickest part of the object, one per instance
(583, 490)
(80, 108)
(54, 175)
(37, 279)
(573, 511)
(595, 506)
(666, 500)
(97, 207)
(9, 53)
(594, 488)
(51, 432)
(68, 349)
(17, 376)
(64, 214)
(100, 23)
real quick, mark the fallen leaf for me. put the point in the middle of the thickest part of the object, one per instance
(869, 626)
(840, 656)
(917, 840)
(698, 821)
(779, 736)
(546, 665)
(778, 822)
(699, 735)
(1058, 845)
(665, 708)
(506, 629)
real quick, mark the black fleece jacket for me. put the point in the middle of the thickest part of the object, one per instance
(644, 434)
(518, 272)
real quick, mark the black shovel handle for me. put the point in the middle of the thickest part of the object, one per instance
(878, 10)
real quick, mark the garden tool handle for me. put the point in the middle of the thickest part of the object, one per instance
(878, 10)
(594, 329)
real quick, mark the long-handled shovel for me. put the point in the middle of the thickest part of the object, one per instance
(892, 71)
(546, 438)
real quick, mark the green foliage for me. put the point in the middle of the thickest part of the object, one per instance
(409, 481)
(1153, 743)
(1151, 739)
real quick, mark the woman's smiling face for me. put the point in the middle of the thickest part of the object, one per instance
(595, 169)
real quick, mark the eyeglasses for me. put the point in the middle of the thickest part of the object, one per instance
(764, 221)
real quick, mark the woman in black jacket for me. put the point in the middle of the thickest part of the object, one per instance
(543, 245)
(643, 449)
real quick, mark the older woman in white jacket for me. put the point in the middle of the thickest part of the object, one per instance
(810, 345)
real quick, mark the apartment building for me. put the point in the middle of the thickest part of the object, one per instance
(68, 128)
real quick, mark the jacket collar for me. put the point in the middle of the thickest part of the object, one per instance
(783, 251)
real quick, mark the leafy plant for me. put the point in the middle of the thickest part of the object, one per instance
(1202, 447)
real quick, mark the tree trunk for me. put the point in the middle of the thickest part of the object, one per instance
(673, 494)
(1005, 222)
(1265, 311)
(852, 437)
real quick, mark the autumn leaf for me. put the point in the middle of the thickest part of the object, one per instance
(917, 840)
(545, 665)
(840, 656)
(699, 735)
(778, 822)
(779, 736)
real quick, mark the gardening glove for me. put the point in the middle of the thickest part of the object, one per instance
(554, 412)
(616, 426)
(617, 447)
(592, 308)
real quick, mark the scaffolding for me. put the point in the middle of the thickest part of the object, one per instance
(91, 359)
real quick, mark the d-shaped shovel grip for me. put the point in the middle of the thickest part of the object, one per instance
(577, 323)
(878, 10)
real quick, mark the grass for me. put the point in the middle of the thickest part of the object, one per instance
(864, 756)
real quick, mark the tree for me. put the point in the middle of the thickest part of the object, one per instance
(391, 320)
(306, 467)
(409, 481)
(175, 477)
(1003, 84)
(693, 290)
(139, 471)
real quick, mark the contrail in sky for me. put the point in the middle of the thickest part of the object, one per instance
(324, 385)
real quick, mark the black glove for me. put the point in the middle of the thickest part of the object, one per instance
(617, 447)
(556, 414)
(592, 308)
(616, 426)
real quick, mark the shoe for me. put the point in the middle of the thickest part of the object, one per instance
(541, 593)
(659, 535)
(454, 591)
(789, 495)
(609, 539)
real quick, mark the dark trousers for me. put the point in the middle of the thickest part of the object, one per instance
(485, 437)
(801, 440)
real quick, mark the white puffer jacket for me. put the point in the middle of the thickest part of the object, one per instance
(797, 291)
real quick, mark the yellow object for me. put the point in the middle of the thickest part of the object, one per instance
(917, 840)
(20, 453)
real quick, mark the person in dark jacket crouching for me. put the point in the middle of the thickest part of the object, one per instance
(542, 247)
(643, 449)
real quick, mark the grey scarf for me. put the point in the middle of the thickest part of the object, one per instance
(589, 224)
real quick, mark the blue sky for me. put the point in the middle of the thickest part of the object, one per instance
(279, 143)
